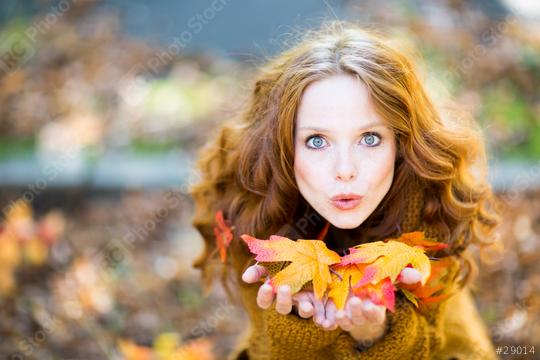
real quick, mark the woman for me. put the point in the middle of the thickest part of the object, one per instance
(341, 138)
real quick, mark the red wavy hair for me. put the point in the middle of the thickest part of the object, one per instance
(247, 169)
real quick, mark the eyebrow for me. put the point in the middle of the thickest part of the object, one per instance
(314, 128)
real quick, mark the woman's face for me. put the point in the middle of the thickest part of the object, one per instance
(342, 149)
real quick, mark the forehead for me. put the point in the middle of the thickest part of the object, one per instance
(337, 100)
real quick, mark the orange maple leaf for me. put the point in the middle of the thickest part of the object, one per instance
(369, 270)
(416, 238)
(223, 234)
(387, 259)
(310, 260)
(434, 290)
(342, 278)
(382, 293)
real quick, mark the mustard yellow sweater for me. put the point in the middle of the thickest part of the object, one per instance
(451, 329)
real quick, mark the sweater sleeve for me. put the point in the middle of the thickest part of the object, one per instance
(448, 329)
(292, 337)
(277, 336)
(409, 335)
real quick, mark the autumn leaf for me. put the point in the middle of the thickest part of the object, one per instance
(383, 293)
(223, 234)
(368, 271)
(416, 238)
(435, 289)
(342, 277)
(310, 260)
(387, 259)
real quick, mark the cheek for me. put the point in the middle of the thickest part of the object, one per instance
(388, 167)
(382, 169)
(302, 168)
(307, 171)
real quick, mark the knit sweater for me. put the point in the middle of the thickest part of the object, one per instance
(451, 329)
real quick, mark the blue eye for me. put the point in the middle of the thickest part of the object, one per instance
(317, 143)
(371, 139)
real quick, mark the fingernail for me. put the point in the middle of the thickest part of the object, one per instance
(284, 289)
(307, 307)
(327, 323)
(246, 276)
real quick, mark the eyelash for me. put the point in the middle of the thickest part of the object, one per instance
(364, 135)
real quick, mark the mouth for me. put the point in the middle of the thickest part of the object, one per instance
(346, 201)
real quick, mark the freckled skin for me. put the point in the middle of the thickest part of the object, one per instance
(347, 159)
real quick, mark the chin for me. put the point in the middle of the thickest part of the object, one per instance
(347, 224)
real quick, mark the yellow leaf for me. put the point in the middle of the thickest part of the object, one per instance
(309, 261)
(342, 278)
(35, 251)
(10, 252)
(387, 259)
(166, 343)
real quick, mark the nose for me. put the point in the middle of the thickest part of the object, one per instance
(345, 168)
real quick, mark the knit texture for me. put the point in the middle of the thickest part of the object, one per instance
(451, 329)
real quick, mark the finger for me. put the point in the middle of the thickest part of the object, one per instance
(254, 273)
(303, 304)
(305, 309)
(409, 276)
(343, 321)
(374, 313)
(265, 296)
(319, 315)
(357, 313)
(284, 300)
(330, 312)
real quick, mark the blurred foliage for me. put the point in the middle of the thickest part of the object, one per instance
(491, 66)
(166, 347)
(81, 83)
(110, 274)
(83, 86)
(113, 279)
(25, 242)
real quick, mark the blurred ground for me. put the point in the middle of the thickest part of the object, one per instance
(121, 270)
(101, 269)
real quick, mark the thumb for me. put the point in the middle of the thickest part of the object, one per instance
(254, 273)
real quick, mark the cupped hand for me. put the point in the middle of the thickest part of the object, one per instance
(360, 317)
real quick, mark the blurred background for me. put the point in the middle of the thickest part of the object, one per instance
(104, 105)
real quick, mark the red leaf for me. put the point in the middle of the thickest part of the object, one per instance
(223, 235)
(383, 293)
